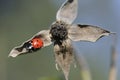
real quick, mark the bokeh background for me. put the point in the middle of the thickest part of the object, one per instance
(21, 19)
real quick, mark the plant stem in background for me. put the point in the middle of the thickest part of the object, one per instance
(85, 71)
(113, 68)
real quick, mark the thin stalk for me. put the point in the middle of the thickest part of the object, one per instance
(113, 68)
(85, 71)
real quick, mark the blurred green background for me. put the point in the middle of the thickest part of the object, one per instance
(21, 19)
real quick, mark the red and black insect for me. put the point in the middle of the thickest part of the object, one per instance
(33, 45)
(61, 33)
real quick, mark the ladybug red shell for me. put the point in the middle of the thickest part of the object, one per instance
(37, 43)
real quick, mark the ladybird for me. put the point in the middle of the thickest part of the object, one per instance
(37, 43)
